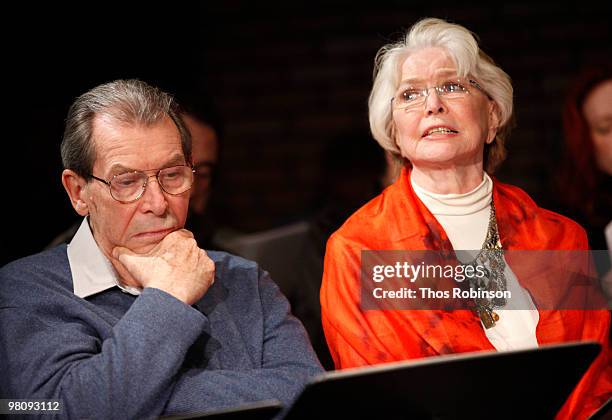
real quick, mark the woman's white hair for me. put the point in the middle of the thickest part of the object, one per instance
(462, 47)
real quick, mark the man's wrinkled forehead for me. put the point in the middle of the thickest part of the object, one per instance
(110, 134)
(109, 124)
(105, 127)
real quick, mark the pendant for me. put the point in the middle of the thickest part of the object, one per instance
(488, 317)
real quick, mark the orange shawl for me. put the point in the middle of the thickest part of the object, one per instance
(398, 220)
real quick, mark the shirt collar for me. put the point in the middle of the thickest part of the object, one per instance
(91, 271)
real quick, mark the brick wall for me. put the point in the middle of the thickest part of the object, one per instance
(287, 79)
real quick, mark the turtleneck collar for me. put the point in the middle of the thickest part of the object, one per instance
(457, 204)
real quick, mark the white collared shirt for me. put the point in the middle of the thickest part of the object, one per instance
(91, 271)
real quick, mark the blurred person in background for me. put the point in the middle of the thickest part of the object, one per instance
(584, 179)
(206, 130)
(354, 171)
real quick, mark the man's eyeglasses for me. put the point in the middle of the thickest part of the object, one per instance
(130, 186)
(413, 98)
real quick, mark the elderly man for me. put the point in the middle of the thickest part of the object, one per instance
(132, 319)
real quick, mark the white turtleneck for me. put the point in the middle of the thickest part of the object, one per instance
(461, 213)
(465, 219)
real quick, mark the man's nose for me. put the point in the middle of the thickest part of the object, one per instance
(154, 197)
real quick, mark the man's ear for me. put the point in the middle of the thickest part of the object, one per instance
(75, 186)
(493, 122)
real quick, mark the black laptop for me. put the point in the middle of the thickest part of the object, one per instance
(522, 384)
(525, 384)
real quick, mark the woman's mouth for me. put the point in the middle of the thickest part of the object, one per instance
(439, 130)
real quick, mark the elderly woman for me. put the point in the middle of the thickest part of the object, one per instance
(441, 103)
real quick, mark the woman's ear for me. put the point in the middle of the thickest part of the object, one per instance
(494, 119)
(75, 186)
(394, 136)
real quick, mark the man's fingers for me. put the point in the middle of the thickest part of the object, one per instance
(185, 233)
(119, 252)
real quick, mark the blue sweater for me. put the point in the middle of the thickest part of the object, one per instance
(114, 355)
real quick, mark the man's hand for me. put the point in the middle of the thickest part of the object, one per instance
(176, 265)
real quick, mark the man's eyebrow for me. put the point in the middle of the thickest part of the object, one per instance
(175, 160)
(118, 168)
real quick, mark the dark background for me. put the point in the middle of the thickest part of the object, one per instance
(287, 78)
